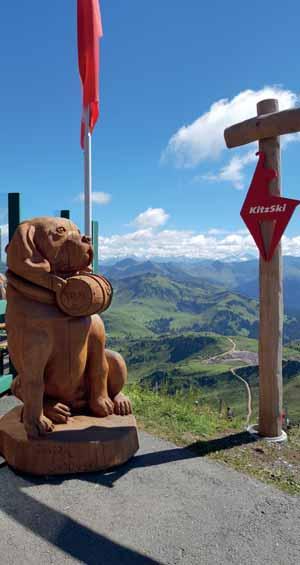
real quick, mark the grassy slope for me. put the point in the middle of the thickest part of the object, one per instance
(179, 363)
(154, 304)
(165, 353)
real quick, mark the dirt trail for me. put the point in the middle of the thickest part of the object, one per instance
(249, 395)
(233, 371)
(229, 352)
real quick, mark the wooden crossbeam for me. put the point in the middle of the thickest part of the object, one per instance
(263, 126)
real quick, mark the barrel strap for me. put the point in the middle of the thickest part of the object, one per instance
(45, 295)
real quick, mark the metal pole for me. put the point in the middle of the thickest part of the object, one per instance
(87, 176)
(95, 232)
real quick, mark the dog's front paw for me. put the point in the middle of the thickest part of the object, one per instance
(102, 406)
(122, 405)
(36, 427)
(57, 412)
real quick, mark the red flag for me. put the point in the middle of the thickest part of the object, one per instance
(89, 28)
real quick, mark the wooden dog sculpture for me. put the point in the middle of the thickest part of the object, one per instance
(56, 340)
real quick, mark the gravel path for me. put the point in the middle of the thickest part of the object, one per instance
(167, 506)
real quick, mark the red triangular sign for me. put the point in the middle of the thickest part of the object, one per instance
(260, 206)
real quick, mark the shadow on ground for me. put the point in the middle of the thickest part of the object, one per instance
(228, 442)
(77, 540)
(74, 539)
(108, 478)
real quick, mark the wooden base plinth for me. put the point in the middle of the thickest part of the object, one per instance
(84, 444)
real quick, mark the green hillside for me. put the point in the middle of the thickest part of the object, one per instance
(203, 362)
(165, 353)
(179, 335)
(217, 384)
(153, 304)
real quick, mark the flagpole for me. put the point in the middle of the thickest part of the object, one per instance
(87, 175)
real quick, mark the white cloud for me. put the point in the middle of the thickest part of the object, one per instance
(217, 231)
(233, 171)
(151, 218)
(149, 243)
(4, 230)
(291, 245)
(101, 198)
(204, 138)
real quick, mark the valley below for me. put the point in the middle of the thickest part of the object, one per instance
(184, 332)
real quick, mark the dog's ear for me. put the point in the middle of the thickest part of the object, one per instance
(23, 257)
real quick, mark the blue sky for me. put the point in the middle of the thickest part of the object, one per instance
(164, 65)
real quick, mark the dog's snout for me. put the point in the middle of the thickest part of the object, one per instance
(86, 239)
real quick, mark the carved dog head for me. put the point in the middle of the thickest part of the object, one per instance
(47, 245)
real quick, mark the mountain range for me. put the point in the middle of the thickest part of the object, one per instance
(238, 276)
(154, 298)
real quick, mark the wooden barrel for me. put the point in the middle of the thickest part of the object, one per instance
(83, 295)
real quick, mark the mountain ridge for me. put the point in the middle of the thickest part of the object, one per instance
(240, 277)
(153, 304)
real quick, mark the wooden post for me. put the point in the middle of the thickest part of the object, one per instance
(14, 218)
(65, 214)
(13, 213)
(271, 304)
(266, 128)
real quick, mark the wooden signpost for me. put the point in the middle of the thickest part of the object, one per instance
(266, 129)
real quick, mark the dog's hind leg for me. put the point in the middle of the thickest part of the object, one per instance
(34, 350)
(117, 378)
(16, 388)
(97, 370)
